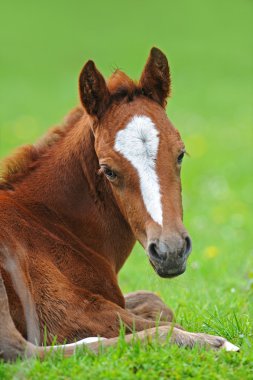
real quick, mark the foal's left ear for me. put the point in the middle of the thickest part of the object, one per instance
(155, 79)
(93, 90)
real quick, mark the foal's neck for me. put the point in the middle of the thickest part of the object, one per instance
(67, 182)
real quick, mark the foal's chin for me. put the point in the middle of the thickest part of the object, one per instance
(168, 272)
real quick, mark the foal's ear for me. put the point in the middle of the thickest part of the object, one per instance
(93, 90)
(155, 78)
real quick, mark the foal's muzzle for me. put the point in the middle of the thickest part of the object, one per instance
(169, 258)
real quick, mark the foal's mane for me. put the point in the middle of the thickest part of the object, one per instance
(24, 159)
(19, 164)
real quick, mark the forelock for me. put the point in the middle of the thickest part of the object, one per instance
(121, 87)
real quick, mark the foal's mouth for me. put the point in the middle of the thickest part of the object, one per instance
(167, 273)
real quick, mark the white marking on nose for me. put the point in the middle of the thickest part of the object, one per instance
(138, 142)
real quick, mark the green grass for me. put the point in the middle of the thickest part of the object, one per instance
(43, 47)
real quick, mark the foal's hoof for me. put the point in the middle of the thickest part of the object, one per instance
(216, 342)
(230, 346)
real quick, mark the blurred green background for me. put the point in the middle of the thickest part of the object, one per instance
(209, 46)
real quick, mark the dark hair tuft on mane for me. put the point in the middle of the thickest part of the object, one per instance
(122, 87)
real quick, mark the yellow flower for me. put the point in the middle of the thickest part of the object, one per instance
(211, 251)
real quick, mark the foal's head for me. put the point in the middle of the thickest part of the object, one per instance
(140, 153)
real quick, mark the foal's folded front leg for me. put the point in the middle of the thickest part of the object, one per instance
(148, 305)
(13, 345)
(170, 334)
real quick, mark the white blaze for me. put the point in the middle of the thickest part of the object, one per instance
(138, 142)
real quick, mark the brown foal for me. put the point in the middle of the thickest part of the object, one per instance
(71, 208)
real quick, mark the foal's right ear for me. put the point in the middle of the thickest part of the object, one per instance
(93, 90)
(155, 79)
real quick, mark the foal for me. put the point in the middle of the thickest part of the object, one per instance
(72, 207)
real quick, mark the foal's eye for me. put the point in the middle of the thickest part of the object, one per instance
(110, 174)
(180, 158)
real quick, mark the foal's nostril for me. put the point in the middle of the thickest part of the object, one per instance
(160, 252)
(153, 251)
(188, 245)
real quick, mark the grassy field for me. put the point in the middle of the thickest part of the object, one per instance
(43, 47)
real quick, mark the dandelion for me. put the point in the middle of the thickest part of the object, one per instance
(211, 252)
